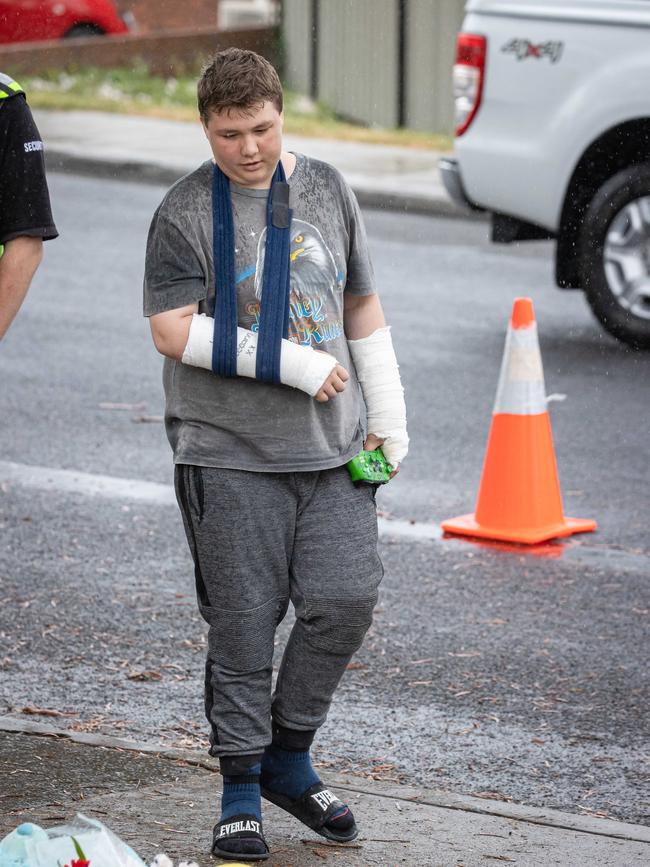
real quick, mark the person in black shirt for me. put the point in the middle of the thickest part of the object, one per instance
(25, 213)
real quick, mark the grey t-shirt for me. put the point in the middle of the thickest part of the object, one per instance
(241, 423)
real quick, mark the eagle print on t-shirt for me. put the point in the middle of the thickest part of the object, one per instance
(314, 311)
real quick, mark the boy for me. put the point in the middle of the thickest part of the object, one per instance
(262, 425)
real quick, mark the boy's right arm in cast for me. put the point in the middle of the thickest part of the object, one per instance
(173, 274)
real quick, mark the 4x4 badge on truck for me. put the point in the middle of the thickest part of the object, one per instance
(524, 48)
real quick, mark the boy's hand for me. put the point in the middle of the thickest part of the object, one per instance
(333, 385)
(372, 442)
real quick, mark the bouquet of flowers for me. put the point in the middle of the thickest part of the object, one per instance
(83, 843)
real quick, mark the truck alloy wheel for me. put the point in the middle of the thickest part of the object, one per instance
(615, 255)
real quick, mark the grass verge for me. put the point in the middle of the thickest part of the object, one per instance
(135, 91)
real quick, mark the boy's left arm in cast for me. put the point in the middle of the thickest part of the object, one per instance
(371, 348)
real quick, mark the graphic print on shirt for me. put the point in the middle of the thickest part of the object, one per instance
(314, 279)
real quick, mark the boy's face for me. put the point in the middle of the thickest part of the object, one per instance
(246, 146)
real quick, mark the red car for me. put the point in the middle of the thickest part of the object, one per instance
(34, 20)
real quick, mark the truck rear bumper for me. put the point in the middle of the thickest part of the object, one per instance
(453, 182)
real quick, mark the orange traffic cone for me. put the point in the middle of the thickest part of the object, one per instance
(519, 496)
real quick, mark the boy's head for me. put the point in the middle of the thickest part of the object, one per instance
(237, 79)
(240, 103)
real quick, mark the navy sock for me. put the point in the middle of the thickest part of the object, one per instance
(290, 773)
(241, 794)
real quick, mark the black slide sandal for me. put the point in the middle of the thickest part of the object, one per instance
(242, 828)
(314, 808)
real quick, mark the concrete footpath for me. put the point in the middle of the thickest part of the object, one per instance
(161, 151)
(165, 801)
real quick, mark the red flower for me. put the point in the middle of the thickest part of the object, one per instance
(78, 863)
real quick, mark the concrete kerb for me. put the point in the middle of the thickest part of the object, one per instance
(427, 797)
(150, 173)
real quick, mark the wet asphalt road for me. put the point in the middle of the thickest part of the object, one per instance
(486, 671)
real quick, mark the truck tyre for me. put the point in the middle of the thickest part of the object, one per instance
(614, 252)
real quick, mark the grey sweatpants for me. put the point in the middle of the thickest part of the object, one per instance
(260, 540)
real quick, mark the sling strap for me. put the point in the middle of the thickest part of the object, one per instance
(274, 304)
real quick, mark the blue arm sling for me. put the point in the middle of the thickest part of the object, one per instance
(274, 305)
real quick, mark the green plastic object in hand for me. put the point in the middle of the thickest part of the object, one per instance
(370, 467)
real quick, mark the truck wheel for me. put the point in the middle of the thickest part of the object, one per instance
(615, 255)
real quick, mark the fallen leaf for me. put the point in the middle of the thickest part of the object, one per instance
(43, 711)
(144, 675)
(356, 666)
(492, 796)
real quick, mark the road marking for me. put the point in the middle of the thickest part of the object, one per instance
(87, 484)
(53, 480)
(49, 479)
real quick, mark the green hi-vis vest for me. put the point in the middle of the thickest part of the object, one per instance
(8, 88)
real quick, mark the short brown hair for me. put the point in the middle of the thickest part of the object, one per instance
(240, 79)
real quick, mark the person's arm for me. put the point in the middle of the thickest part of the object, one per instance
(170, 330)
(18, 264)
(182, 335)
(372, 351)
(362, 314)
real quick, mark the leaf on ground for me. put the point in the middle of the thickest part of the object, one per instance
(144, 675)
(386, 766)
(492, 796)
(466, 731)
(591, 811)
(44, 711)
(356, 666)
(90, 725)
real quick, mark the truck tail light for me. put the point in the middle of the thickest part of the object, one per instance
(468, 76)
